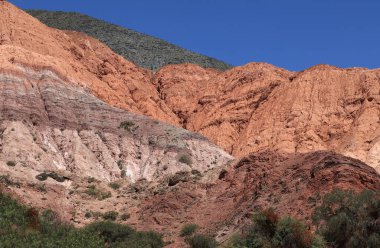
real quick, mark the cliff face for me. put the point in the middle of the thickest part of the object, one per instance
(292, 184)
(51, 118)
(74, 117)
(259, 107)
(246, 109)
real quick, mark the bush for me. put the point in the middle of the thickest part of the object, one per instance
(269, 231)
(144, 240)
(20, 226)
(116, 235)
(291, 233)
(23, 227)
(185, 160)
(349, 219)
(100, 195)
(127, 125)
(201, 241)
(110, 215)
(114, 185)
(188, 230)
(125, 217)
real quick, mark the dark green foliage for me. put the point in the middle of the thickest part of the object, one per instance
(127, 125)
(100, 195)
(144, 240)
(349, 219)
(23, 227)
(125, 217)
(185, 159)
(188, 230)
(116, 235)
(144, 50)
(45, 175)
(11, 163)
(201, 241)
(291, 233)
(110, 215)
(269, 231)
(110, 232)
(114, 185)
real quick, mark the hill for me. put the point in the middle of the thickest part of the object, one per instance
(144, 50)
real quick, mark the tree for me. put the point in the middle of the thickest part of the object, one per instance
(349, 219)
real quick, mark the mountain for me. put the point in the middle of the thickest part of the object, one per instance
(88, 134)
(53, 124)
(144, 50)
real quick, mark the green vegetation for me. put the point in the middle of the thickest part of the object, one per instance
(45, 175)
(125, 217)
(114, 185)
(127, 125)
(26, 227)
(185, 159)
(268, 230)
(110, 215)
(201, 241)
(100, 195)
(345, 219)
(188, 230)
(195, 240)
(349, 219)
(144, 50)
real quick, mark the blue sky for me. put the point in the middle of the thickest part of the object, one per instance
(293, 34)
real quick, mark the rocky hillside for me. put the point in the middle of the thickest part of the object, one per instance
(91, 135)
(144, 50)
(54, 129)
(255, 107)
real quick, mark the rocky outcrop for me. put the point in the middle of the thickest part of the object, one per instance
(259, 107)
(292, 184)
(49, 124)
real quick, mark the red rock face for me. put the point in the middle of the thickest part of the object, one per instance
(259, 107)
(63, 96)
(292, 184)
(250, 108)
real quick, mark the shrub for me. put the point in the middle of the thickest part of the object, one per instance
(45, 175)
(201, 241)
(100, 195)
(20, 226)
(268, 230)
(11, 163)
(125, 217)
(114, 185)
(110, 215)
(127, 125)
(116, 235)
(144, 240)
(185, 160)
(23, 227)
(291, 233)
(188, 230)
(349, 219)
